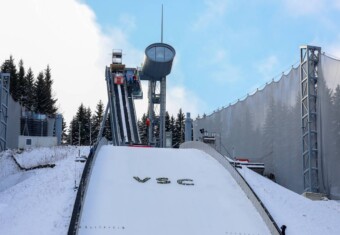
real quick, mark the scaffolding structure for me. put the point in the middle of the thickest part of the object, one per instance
(4, 93)
(309, 74)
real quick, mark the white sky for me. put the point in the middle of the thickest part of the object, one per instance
(64, 35)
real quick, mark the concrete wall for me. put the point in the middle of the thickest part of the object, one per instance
(13, 123)
(37, 141)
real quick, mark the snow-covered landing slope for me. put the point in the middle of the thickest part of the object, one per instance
(165, 191)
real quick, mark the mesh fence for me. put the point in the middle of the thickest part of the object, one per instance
(266, 127)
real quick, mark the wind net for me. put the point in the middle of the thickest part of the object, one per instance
(266, 127)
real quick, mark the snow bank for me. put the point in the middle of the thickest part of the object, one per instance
(7, 164)
(40, 201)
(44, 155)
(299, 214)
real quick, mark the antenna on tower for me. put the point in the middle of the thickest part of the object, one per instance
(162, 26)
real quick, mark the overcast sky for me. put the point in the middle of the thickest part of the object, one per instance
(225, 48)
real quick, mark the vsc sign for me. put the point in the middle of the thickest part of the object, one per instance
(164, 180)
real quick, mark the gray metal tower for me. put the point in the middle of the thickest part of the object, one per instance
(157, 65)
(188, 128)
(309, 73)
(4, 92)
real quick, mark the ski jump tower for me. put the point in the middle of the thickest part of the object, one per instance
(157, 65)
(123, 85)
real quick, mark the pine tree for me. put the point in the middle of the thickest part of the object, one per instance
(43, 100)
(9, 67)
(96, 120)
(73, 132)
(179, 129)
(172, 128)
(21, 87)
(107, 128)
(29, 98)
(143, 129)
(81, 116)
(80, 127)
(87, 127)
(64, 136)
(167, 121)
(50, 105)
(39, 94)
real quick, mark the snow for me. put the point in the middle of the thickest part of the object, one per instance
(116, 201)
(38, 201)
(301, 215)
(41, 201)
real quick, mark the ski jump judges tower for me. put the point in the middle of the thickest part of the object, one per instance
(157, 65)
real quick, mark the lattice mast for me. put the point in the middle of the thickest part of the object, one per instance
(4, 93)
(309, 74)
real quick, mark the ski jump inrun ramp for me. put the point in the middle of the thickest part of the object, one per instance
(166, 191)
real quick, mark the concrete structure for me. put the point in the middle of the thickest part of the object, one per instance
(13, 123)
(37, 141)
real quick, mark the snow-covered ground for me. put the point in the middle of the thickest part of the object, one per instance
(299, 214)
(41, 201)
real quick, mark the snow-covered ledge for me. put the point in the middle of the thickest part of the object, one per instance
(274, 229)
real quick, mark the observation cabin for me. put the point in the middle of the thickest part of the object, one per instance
(158, 61)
